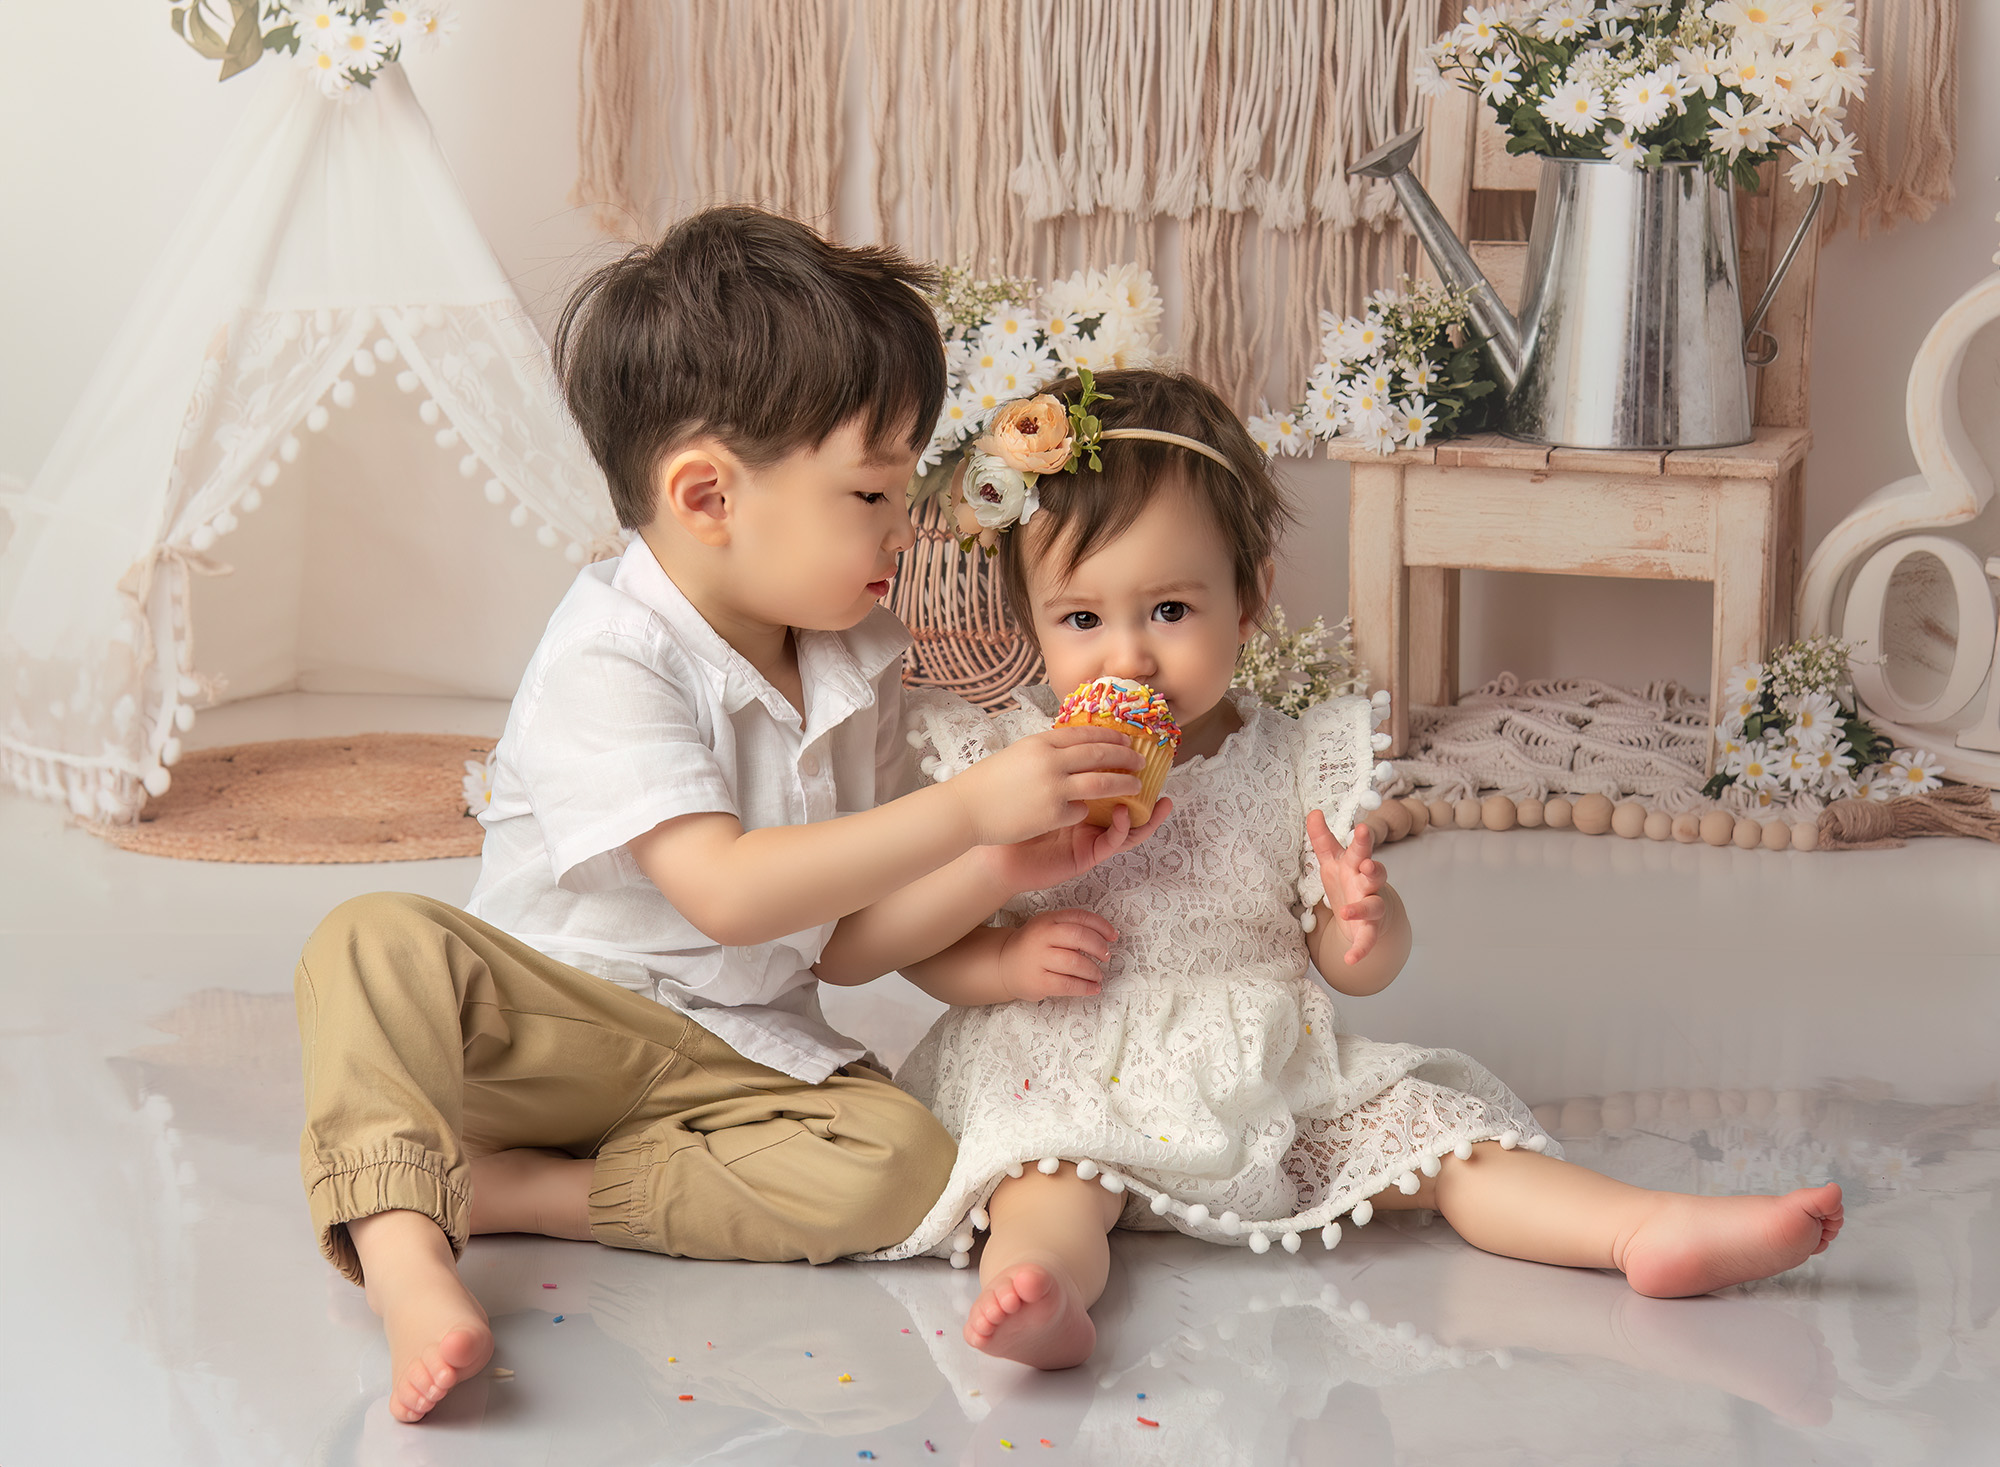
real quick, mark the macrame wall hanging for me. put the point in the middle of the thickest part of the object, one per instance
(1035, 137)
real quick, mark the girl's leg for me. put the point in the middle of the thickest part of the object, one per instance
(1667, 1244)
(1044, 1265)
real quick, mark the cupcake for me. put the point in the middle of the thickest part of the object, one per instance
(1142, 715)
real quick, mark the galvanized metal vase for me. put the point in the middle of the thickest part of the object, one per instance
(1631, 332)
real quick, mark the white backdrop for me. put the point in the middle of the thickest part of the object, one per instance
(105, 131)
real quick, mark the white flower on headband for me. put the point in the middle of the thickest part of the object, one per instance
(997, 496)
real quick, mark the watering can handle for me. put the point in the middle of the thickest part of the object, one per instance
(1761, 353)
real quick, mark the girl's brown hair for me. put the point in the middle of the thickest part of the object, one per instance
(1083, 511)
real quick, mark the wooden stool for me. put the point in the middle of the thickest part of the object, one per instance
(1732, 516)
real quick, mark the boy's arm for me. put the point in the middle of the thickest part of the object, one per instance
(741, 888)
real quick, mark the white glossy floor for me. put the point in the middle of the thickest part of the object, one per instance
(1704, 1019)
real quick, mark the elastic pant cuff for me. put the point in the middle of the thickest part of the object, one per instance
(391, 1178)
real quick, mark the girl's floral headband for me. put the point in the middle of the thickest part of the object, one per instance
(994, 486)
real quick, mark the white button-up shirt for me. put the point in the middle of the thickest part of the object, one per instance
(634, 710)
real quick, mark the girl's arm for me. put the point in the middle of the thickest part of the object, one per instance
(1361, 934)
(1051, 955)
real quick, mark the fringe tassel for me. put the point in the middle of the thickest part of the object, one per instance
(1872, 825)
(1907, 124)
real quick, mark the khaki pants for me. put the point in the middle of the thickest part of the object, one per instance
(431, 1037)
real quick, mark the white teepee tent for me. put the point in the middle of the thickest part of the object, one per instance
(329, 255)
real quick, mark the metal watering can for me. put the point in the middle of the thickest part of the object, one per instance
(1631, 332)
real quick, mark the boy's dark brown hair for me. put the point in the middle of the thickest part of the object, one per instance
(750, 327)
(1083, 511)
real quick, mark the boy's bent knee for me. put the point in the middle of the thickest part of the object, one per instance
(890, 1188)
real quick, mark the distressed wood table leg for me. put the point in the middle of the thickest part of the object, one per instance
(1379, 588)
(1746, 579)
(1433, 635)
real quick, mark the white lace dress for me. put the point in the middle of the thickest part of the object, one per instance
(1209, 1079)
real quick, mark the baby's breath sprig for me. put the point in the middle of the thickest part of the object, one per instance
(964, 301)
(1292, 670)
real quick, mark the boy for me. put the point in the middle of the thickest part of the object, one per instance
(667, 815)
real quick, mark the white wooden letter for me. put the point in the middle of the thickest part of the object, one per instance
(1862, 625)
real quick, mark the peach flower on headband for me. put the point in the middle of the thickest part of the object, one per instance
(1030, 437)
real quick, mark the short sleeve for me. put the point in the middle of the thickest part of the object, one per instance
(1338, 773)
(895, 760)
(615, 747)
(948, 734)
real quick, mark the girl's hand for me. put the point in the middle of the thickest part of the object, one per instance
(1353, 882)
(1056, 955)
(1044, 782)
(1062, 855)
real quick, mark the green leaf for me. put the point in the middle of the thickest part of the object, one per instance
(1717, 784)
(246, 39)
(199, 33)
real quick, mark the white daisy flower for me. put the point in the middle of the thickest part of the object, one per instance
(320, 25)
(1757, 71)
(478, 785)
(1915, 771)
(436, 24)
(1012, 325)
(1378, 436)
(1797, 767)
(1322, 410)
(1131, 296)
(1377, 379)
(1729, 746)
(1756, 20)
(1736, 131)
(1814, 720)
(1870, 784)
(956, 421)
(1835, 76)
(1360, 339)
(1480, 29)
(1825, 160)
(362, 50)
(1640, 101)
(1757, 767)
(333, 78)
(1362, 404)
(400, 24)
(1293, 439)
(1700, 69)
(1834, 761)
(1573, 107)
(1498, 77)
(1565, 20)
(1623, 149)
(1413, 420)
(1745, 684)
(1419, 374)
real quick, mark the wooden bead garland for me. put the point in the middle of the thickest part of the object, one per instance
(1412, 815)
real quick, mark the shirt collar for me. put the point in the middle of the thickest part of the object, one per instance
(838, 669)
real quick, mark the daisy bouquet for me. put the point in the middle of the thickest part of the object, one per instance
(1730, 84)
(1793, 729)
(344, 43)
(1004, 340)
(1404, 372)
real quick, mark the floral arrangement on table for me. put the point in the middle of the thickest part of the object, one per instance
(1292, 670)
(1642, 82)
(1405, 371)
(344, 43)
(1004, 340)
(1794, 730)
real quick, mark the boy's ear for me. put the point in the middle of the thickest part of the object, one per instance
(1246, 626)
(697, 486)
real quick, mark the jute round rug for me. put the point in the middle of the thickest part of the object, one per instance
(371, 797)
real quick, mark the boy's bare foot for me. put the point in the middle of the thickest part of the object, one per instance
(532, 1191)
(438, 1334)
(1693, 1245)
(1031, 1314)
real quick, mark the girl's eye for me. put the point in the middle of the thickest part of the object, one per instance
(1170, 610)
(1082, 621)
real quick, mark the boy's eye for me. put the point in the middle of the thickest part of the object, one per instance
(871, 498)
(1082, 621)
(1170, 610)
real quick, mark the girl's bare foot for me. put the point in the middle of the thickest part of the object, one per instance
(532, 1191)
(1693, 1245)
(438, 1334)
(1032, 1314)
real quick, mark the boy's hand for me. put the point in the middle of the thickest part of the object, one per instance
(1062, 855)
(1044, 782)
(1353, 883)
(1056, 955)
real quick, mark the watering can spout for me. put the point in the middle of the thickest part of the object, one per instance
(1501, 333)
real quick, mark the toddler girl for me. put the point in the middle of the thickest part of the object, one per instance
(1169, 1060)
